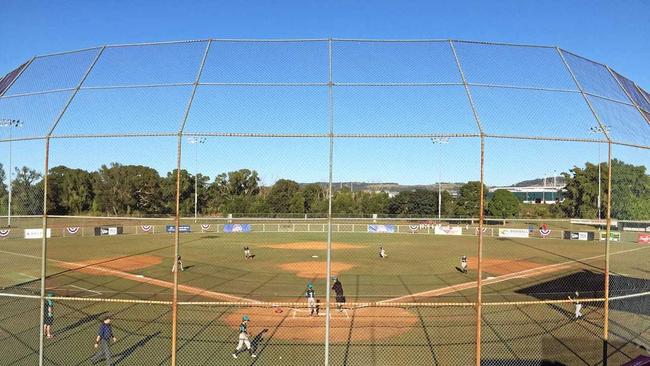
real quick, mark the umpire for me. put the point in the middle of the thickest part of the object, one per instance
(102, 342)
(340, 297)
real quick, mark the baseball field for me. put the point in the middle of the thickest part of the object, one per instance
(414, 307)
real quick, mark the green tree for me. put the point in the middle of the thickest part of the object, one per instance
(27, 192)
(504, 204)
(343, 203)
(630, 192)
(469, 199)
(372, 203)
(279, 197)
(128, 189)
(70, 191)
(313, 194)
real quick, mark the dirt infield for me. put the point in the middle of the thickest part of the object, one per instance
(498, 267)
(313, 245)
(372, 323)
(122, 264)
(314, 269)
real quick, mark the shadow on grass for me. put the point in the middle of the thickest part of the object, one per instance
(119, 357)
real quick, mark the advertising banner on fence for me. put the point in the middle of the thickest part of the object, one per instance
(381, 228)
(108, 230)
(447, 230)
(237, 228)
(37, 233)
(613, 235)
(578, 235)
(181, 228)
(513, 233)
(644, 238)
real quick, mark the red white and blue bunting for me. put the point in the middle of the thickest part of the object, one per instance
(205, 227)
(545, 232)
(146, 228)
(72, 230)
(4, 232)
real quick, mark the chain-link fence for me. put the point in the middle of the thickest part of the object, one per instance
(323, 201)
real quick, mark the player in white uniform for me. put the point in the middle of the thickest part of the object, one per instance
(463, 263)
(578, 306)
(178, 264)
(311, 300)
(243, 338)
(382, 253)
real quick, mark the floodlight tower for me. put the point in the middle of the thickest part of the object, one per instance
(599, 130)
(439, 141)
(11, 124)
(196, 141)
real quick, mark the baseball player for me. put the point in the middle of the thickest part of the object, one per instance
(243, 338)
(48, 316)
(578, 305)
(463, 263)
(311, 300)
(382, 253)
(247, 252)
(340, 297)
(178, 264)
(102, 342)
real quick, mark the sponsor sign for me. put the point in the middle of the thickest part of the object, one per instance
(72, 230)
(578, 235)
(448, 230)
(613, 235)
(146, 228)
(37, 233)
(513, 233)
(205, 227)
(181, 228)
(237, 228)
(381, 228)
(644, 238)
(108, 230)
(4, 232)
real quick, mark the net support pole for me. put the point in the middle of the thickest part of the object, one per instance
(41, 345)
(607, 240)
(479, 269)
(329, 203)
(177, 218)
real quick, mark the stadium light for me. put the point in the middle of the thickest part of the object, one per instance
(11, 124)
(599, 130)
(440, 141)
(196, 141)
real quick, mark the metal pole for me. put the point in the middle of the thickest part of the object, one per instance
(41, 345)
(329, 206)
(479, 280)
(599, 190)
(607, 238)
(176, 250)
(196, 182)
(10, 181)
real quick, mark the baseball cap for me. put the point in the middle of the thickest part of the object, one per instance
(309, 285)
(245, 318)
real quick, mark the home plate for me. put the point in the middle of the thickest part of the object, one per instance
(314, 256)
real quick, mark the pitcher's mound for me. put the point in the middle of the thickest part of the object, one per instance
(370, 323)
(314, 245)
(314, 269)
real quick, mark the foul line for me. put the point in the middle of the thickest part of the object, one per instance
(138, 278)
(528, 272)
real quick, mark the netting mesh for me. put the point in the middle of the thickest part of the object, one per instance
(360, 202)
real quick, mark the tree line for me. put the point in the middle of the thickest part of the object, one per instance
(125, 190)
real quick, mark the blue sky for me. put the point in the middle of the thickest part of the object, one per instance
(614, 33)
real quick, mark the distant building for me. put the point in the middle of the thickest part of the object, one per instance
(534, 194)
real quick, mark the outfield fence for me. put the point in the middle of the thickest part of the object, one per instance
(173, 132)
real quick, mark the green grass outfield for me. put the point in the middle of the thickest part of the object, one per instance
(516, 270)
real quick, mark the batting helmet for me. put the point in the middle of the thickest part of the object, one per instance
(245, 318)
(309, 285)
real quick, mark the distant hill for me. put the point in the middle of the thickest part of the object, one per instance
(539, 182)
(385, 186)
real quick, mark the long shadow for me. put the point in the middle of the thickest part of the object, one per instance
(80, 322)
(422, 322)
(119, 357)
(257, 340)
